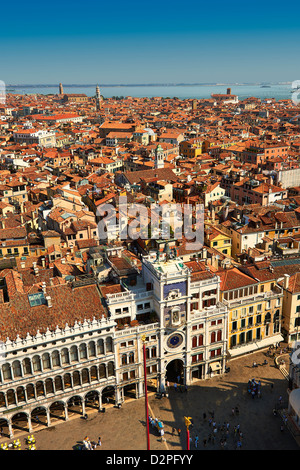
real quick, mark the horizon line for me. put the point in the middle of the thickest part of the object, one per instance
(145, 84)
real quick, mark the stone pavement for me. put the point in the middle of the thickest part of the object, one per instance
(124, 428)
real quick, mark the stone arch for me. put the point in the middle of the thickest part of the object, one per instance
(108, 395)
(57, 410)
(39, 416)
(4, 428)
(92, 399)
(74, 405)
(20, 422)
(174, 369)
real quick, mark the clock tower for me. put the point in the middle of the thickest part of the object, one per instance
(170, 279)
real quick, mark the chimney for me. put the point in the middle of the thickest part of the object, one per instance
(49, 301)
(286, 281)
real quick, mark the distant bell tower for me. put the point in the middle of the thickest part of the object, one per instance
(159, 157)
(61, 89)
(98, 98)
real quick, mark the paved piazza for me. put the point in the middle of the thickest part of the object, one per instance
(124, 429)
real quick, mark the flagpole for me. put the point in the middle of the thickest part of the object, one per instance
(187, 421)
(146, 394)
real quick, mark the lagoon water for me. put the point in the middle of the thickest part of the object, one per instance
(277, 91)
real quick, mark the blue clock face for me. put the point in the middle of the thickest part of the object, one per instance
(174, 341)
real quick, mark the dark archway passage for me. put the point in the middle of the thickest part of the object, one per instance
(175, 370)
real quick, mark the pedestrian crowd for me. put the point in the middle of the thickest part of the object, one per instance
(225, 435)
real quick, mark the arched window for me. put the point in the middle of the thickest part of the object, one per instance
(74, 354)
(92, 349)
(124, 359)
(110, 369)
(76, 378)
(194, 342)
(36, 364)
(213, 337)
(46, 361)
(102, 371)
(67, 381)
(58, 384)
(82, 351)
(85, 376)
(108, 344)
(219, 335)
(30, 392)
(65, 356)
(27, 366)
(100, 347)
(2, 400)
(131, 358)
(11, 397)
(17, 369)
(40, 392)
(94, 373)
(55, 359)
(21, 395)
(49, 386)
(276, 316)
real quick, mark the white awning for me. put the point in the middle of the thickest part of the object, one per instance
(215, 366)
(255, 346)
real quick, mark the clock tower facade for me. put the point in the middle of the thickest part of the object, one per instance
(192, 322)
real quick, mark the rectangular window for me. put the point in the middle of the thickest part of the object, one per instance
(234, 314)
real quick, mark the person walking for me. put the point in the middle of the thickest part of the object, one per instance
(99, 442)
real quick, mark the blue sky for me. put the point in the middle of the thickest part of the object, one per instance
(154, 42)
